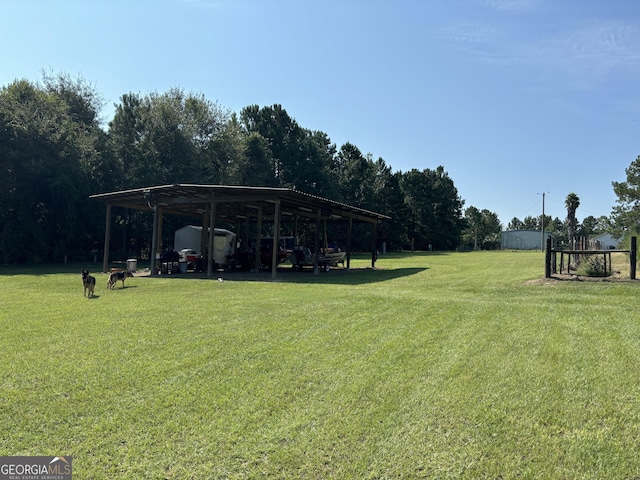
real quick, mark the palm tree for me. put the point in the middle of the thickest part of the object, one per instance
(572, 203)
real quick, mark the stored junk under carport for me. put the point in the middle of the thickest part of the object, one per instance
(233, 204)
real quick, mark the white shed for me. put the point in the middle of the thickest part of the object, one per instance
(606, 241)
(523, 240)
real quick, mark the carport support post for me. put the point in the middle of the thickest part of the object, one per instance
(160, 219)
(276, 241)
(632, 258)
(258, 238)
(107, 236)
(316, 243)
(246, 242)
(324, 234)
(373, 245)
(212, 222)
(349, 233)
(154, 242)
(204, 239)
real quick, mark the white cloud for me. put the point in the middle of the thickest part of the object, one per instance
(511, 5)
(577, 55)
(586, 55)
(205, 3)
(467, 33)
(608, 44)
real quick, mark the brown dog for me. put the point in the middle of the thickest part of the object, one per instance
(89, 283)
(115, 276)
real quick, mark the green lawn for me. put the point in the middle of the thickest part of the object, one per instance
(439, 365)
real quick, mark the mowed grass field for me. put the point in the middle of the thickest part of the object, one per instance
(436, 365)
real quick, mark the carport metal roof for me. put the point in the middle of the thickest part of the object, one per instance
(234, 202)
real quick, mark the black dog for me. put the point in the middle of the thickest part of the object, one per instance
(89, 283)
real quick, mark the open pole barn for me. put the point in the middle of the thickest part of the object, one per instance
(235, 204)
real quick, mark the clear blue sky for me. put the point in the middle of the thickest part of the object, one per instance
(513, 97)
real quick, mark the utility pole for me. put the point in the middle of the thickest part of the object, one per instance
(542, 223)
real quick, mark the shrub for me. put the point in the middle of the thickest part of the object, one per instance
(592, 267)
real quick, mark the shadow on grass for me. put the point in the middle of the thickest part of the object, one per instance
(337, 276)
(558, 279)
(49, 269)
(96, 268)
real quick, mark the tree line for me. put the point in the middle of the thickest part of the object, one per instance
(55, 151)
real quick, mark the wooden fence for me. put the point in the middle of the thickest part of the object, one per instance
(551, 258)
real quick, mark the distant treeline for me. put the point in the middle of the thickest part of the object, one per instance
(55, 151)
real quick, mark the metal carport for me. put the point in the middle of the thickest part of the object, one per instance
(230, 203)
